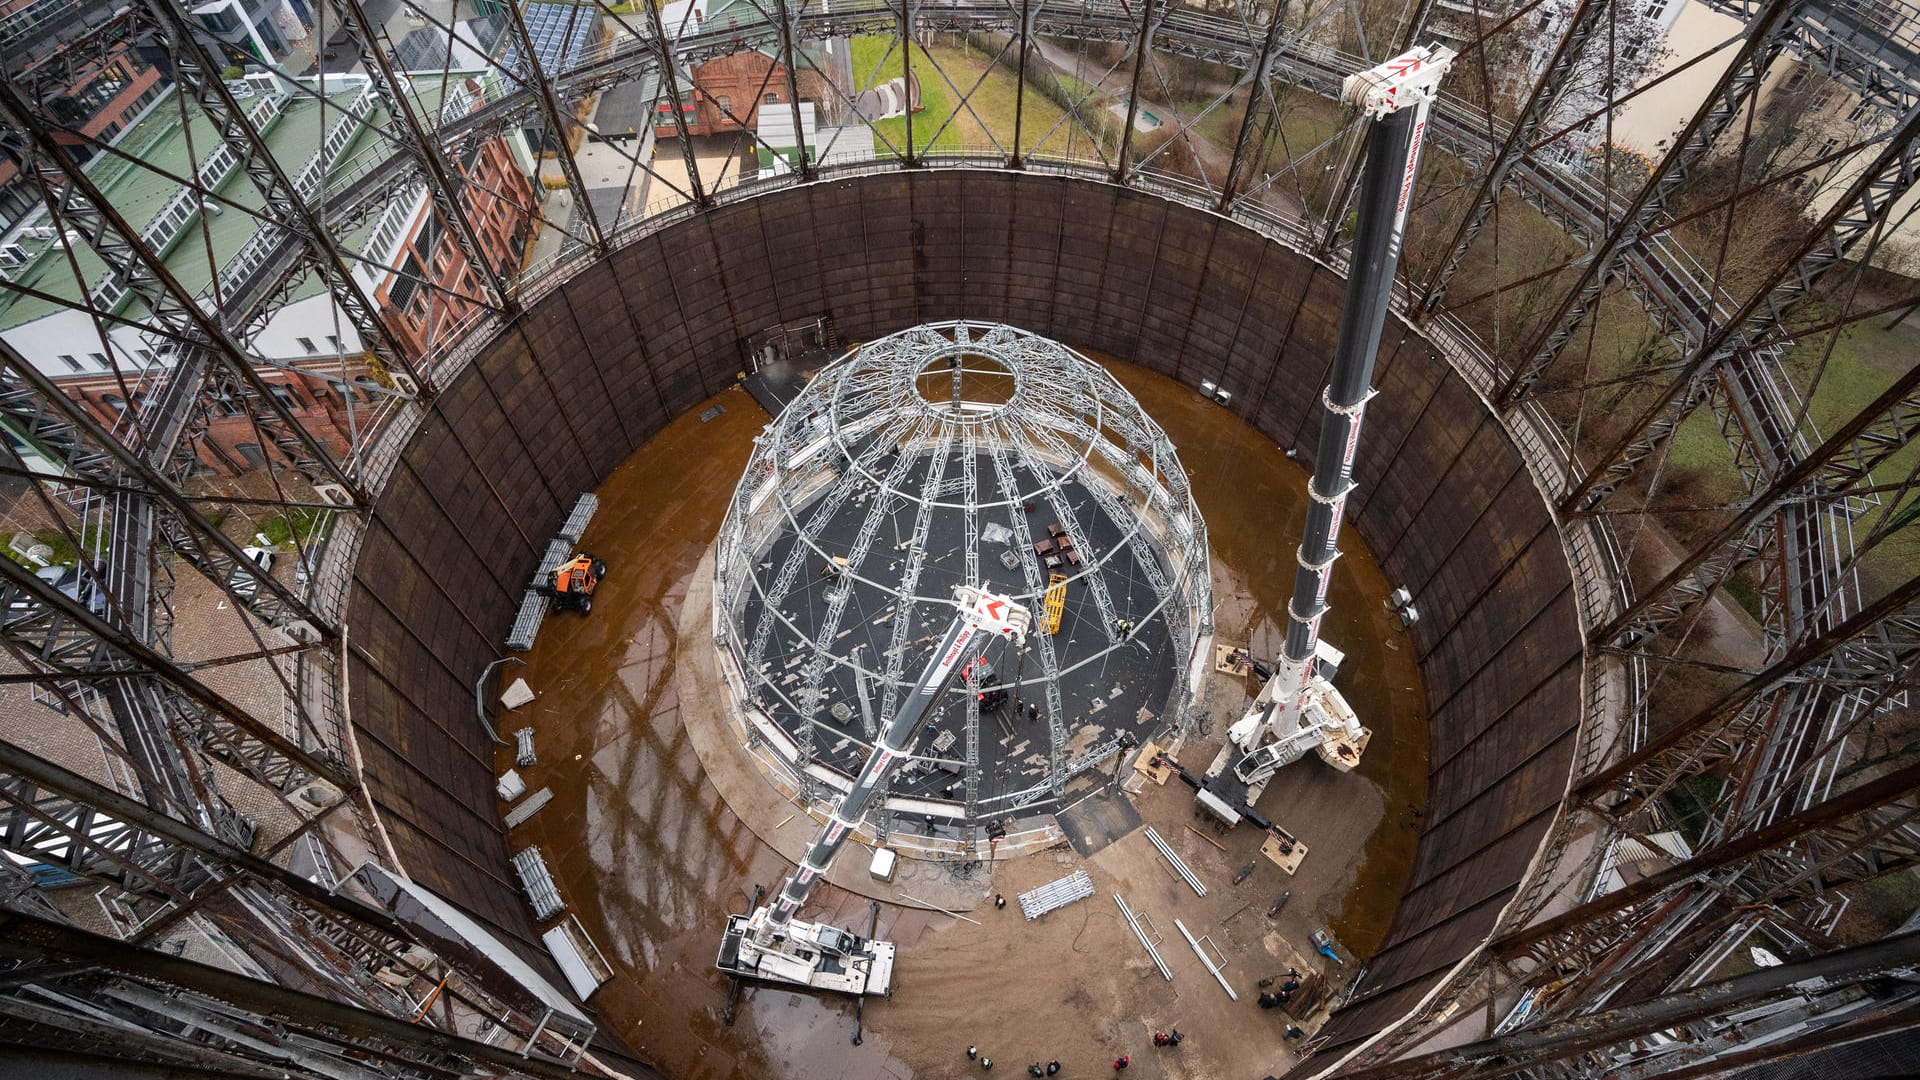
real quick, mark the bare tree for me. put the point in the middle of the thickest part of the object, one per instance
(1628, 45)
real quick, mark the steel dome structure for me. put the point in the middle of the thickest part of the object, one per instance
(950, 454)
(1519, 949)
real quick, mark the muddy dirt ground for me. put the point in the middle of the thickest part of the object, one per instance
(650, 856)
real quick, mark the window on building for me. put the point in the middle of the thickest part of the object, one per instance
(72, 364)
(1861, 110)
(147, 357)
(223, 402)
(119, 403)
(334, 344)
(100, 361)
(307, 344)
(251, 452)
(725, 103)
(772, 99)
(286, 397)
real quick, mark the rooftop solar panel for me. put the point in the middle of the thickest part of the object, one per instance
(559, 33)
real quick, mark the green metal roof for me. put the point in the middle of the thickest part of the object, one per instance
(165, 147)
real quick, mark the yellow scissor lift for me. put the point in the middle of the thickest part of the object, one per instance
(1056, 602)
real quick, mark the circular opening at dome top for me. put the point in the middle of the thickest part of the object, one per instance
(969, 380)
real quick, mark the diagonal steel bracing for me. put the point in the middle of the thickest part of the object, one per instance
(1768, 36)
(168, 303)
(1586, 20)
(1867, 200)
(252, 744)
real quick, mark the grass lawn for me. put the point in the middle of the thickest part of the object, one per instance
(942, 123)
(1865, 361)
(1306, 120)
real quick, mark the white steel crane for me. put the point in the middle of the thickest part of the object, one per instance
(1299, 709)
(771, 944)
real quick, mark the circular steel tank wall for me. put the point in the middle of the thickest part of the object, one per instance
(599, 364)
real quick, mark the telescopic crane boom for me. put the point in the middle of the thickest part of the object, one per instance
(771, 943)
(1299, 710)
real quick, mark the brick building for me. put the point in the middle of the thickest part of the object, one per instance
(499, 202)
(99, 101)
(421, 281)
(728, 93)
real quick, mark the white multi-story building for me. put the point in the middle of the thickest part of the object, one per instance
(1805, 115)
(312, 355)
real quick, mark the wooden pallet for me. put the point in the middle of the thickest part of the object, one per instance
(1288, 860)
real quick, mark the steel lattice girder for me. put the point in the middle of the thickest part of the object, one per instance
(1169, 39)
(1528, 1051)
(270, 1007)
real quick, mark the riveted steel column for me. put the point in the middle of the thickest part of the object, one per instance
(1769, 35)
(148, 276)
(1150, 18)
(805, 168)
(1869, 198)
(200, 72)
(144, 656)
(908, 82)
(442, 188)
(670, 77)
(1540, 105)
(1020, 86)
(211, 551)
(536, 80)
(1259, 93)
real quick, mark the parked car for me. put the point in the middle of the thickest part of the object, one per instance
(247, 586)
(70, 581)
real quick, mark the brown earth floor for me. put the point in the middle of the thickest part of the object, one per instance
(650, 856)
